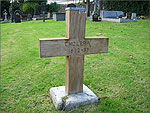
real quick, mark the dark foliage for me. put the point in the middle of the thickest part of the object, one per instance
(139, 7)
(53, 7)
(4, 5)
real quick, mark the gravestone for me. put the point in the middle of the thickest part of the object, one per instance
(116, 16)
(37, 10)
(71, 5)
(120, 13)
(59, 16)
(95, 17)
(109, 14)
(43, 10)
(95, 14)
(17, 16)
(49, 15)
(43, 7)
(5, 17)
(112, 14)
(74, 47)
(133, 16)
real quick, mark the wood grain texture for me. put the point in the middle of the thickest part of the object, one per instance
(74, 74)
(74, 47)
(67, 47)
(75, 28)
(75, 24)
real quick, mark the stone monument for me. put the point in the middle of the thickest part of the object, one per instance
(5, 17)
(117, 16)
(133, 16)
(43, 10)
(74, 47)
(37, 11)
(17, 16)
(95, 14)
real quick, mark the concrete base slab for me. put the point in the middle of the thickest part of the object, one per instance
(120, 20)
(62, 101)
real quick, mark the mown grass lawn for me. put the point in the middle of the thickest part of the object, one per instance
(120, 78)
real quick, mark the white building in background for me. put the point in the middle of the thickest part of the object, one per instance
(65, 1)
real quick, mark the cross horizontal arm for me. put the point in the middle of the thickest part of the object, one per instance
(66, 47)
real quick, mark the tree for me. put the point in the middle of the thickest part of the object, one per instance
(28, 7)
(100, 5)
(88, 7)
(37, 1)
(53, 7)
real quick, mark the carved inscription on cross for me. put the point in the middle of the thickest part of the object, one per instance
(74, 47)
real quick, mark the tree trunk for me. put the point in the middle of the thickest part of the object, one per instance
(88, 7)
(100, 6)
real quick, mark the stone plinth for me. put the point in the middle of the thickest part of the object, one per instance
(120, 20)
(64, 102)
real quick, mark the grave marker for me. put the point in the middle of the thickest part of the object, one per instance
(133, 16)
(74, 47)
(95, 14)
(5, 17)
(17, 16)
(37, 10)
(43, 10)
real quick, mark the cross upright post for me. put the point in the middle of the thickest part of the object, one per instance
(75, 32)
(74, 47)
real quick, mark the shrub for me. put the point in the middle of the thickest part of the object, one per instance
(53, 7)
(28, 7)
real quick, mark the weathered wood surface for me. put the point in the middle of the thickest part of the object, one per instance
(75, 31)
(74, 47)
(74, 74)
(67, 47)
(75, 24)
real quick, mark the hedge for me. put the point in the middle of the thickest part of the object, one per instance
(139, 7)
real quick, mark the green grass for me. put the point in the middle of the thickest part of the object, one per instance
(121, 83)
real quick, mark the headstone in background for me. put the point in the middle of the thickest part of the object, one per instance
(71, 5)
(43, 7)
(43, 10)
(5, 17)
(109, 14)
(95, 17)
(95, 14)
(59, 16)
(49, 15)
(120, 14)
(117, 16)
(112, 14)
(133, 16)
(17, 16)
(37, 10)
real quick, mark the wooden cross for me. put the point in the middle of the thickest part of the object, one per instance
(74, 47)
